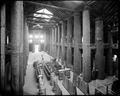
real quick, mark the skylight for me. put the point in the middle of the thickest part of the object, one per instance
(38, 26)
(44, 14)
(44, 11)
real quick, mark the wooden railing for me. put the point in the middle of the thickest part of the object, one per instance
(105, 90)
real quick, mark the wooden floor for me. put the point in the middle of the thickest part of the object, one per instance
(31, 87)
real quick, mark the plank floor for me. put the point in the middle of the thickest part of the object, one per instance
(30, 86)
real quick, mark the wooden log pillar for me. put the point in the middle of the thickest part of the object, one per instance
(86, 46)
(2, 45)
(69, 41)
(53, 50)
(63, 40)
(109, 55)
(26, 45)
(77, 41)
(24, 50)
(48, 39)
(17, 46)
(55, 41)
(45, 43)
(52, 41)
(118, 61)
(100, 59)
(58, 50)
(21, 58)
(27, 40)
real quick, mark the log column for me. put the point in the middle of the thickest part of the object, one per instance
(26, 45)
(27, 40)
(99, 48)
(55, 41)
(58, 50)
(77, 42)
(17, 46)
(118, 60)
(63, 40)
(45, 43)
(86, 46)
(2, 49)
(52, 43)
(49, 40)
(109, 54)
(69, 41)
(53, 51)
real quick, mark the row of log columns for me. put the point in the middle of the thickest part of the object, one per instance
(77, 42)
(63, 41)
(100, 59)
(2, 49)
(83, 18)
(82, 62)
(86, 46)
(69, 41)
(17, 45)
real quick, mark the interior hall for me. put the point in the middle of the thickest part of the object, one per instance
(59, 47)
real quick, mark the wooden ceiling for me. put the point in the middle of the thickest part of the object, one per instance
(64, 9)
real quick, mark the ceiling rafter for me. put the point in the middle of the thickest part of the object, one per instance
(90, 2)
(48, 15)
(38, 19)
(39, 22)
(44, 14)
(52, 6)
(56, 12)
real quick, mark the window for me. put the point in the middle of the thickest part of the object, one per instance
(44, 13)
